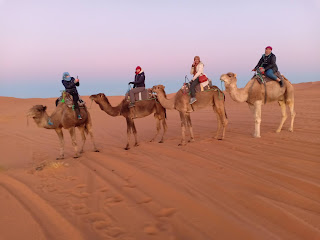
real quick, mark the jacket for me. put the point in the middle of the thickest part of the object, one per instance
(268, 62)
(139, 80)
(199, 70)
(71, 86)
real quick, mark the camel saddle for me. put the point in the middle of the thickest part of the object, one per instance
(67, 99)
(266, 79)
(144, 95)
(207, 85)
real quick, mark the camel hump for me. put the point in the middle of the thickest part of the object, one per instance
(67, 99)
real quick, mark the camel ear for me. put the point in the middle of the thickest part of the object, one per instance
(44, 108)
(235, 75)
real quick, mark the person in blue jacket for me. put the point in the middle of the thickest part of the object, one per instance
(71, 85)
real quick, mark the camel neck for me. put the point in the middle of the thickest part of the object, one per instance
(44, 121)
(239, 94)
(110, 110)
(166, 103)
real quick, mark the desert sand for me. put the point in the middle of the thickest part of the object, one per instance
(238, 188)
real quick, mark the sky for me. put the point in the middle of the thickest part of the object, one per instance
(103, 41)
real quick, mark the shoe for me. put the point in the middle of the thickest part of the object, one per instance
(79, 117)
(131, 105)
(49, 122)
(193, 100)
(281, 83)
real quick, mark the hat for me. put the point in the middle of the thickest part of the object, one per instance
(65, 76)
(269, 47)
(138, 69)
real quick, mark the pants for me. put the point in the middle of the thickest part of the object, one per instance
(269, 73)
(193, 85)
(133, 91)
(75, 98)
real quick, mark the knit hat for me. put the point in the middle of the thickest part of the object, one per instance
(138, 69)
(269, 47)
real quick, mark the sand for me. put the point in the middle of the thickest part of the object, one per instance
(238, 188)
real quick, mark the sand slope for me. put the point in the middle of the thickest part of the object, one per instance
(239, 188)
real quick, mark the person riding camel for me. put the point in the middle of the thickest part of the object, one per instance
(196, 71)
(267, 65)
(71, 85)
(138, 85)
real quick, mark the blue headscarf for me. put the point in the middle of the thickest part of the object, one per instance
(64, 76)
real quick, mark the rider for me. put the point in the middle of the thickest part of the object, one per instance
(196, 71)
(71, 85)
(138, 85)
(267, 65)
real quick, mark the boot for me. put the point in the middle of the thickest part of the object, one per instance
(193, 100)
(78, 113)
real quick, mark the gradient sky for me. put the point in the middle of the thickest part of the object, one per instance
(103, 41)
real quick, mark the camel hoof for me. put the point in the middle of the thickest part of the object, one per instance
(257, 136)
(161, 141)
(191, 140)
(152, 140)
(81, 152)
(136, 145)
(59, 158)
(290, 129)
(76, 156)
(277, 131)
(126, 148)
(96, 150)
(182, 144)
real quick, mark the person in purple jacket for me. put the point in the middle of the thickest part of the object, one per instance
(71, 85)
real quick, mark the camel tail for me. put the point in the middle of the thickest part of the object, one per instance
(165, 113)
(225, 112)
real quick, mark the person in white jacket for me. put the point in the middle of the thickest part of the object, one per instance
(196, 71)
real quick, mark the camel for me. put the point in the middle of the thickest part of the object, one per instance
(254, 94)
(142, 109)
(64, 117)
(180, 102)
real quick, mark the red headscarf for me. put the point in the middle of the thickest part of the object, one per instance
(138, 70)
(269, 47)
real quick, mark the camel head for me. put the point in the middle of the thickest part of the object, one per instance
(158, 88)
(37, 113)
(229, 78)
(97, 97)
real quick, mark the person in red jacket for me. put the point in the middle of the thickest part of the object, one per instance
(138, 84)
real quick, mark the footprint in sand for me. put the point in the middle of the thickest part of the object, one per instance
(80, 209)
(115, 199)
(80, 194)
(81, 185)
(150, 230)
(144, 200)
(166, 212)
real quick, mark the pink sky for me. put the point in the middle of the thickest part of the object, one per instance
(103, 41)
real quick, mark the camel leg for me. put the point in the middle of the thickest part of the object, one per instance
(183, 128)
(292, 112)
(74, 142)
(61, 140)
(189, 124)
(89, 128)
(129, 126)
(158, 127)
(164, 125)
(83, 137)
(284, 115)
(257, 117)
(134, 130)
(219, 124)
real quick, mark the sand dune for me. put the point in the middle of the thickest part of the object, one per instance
(238, 188)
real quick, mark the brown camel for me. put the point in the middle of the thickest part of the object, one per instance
(180, 102)
(64, 117)
(142, 109)
(254, 94)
